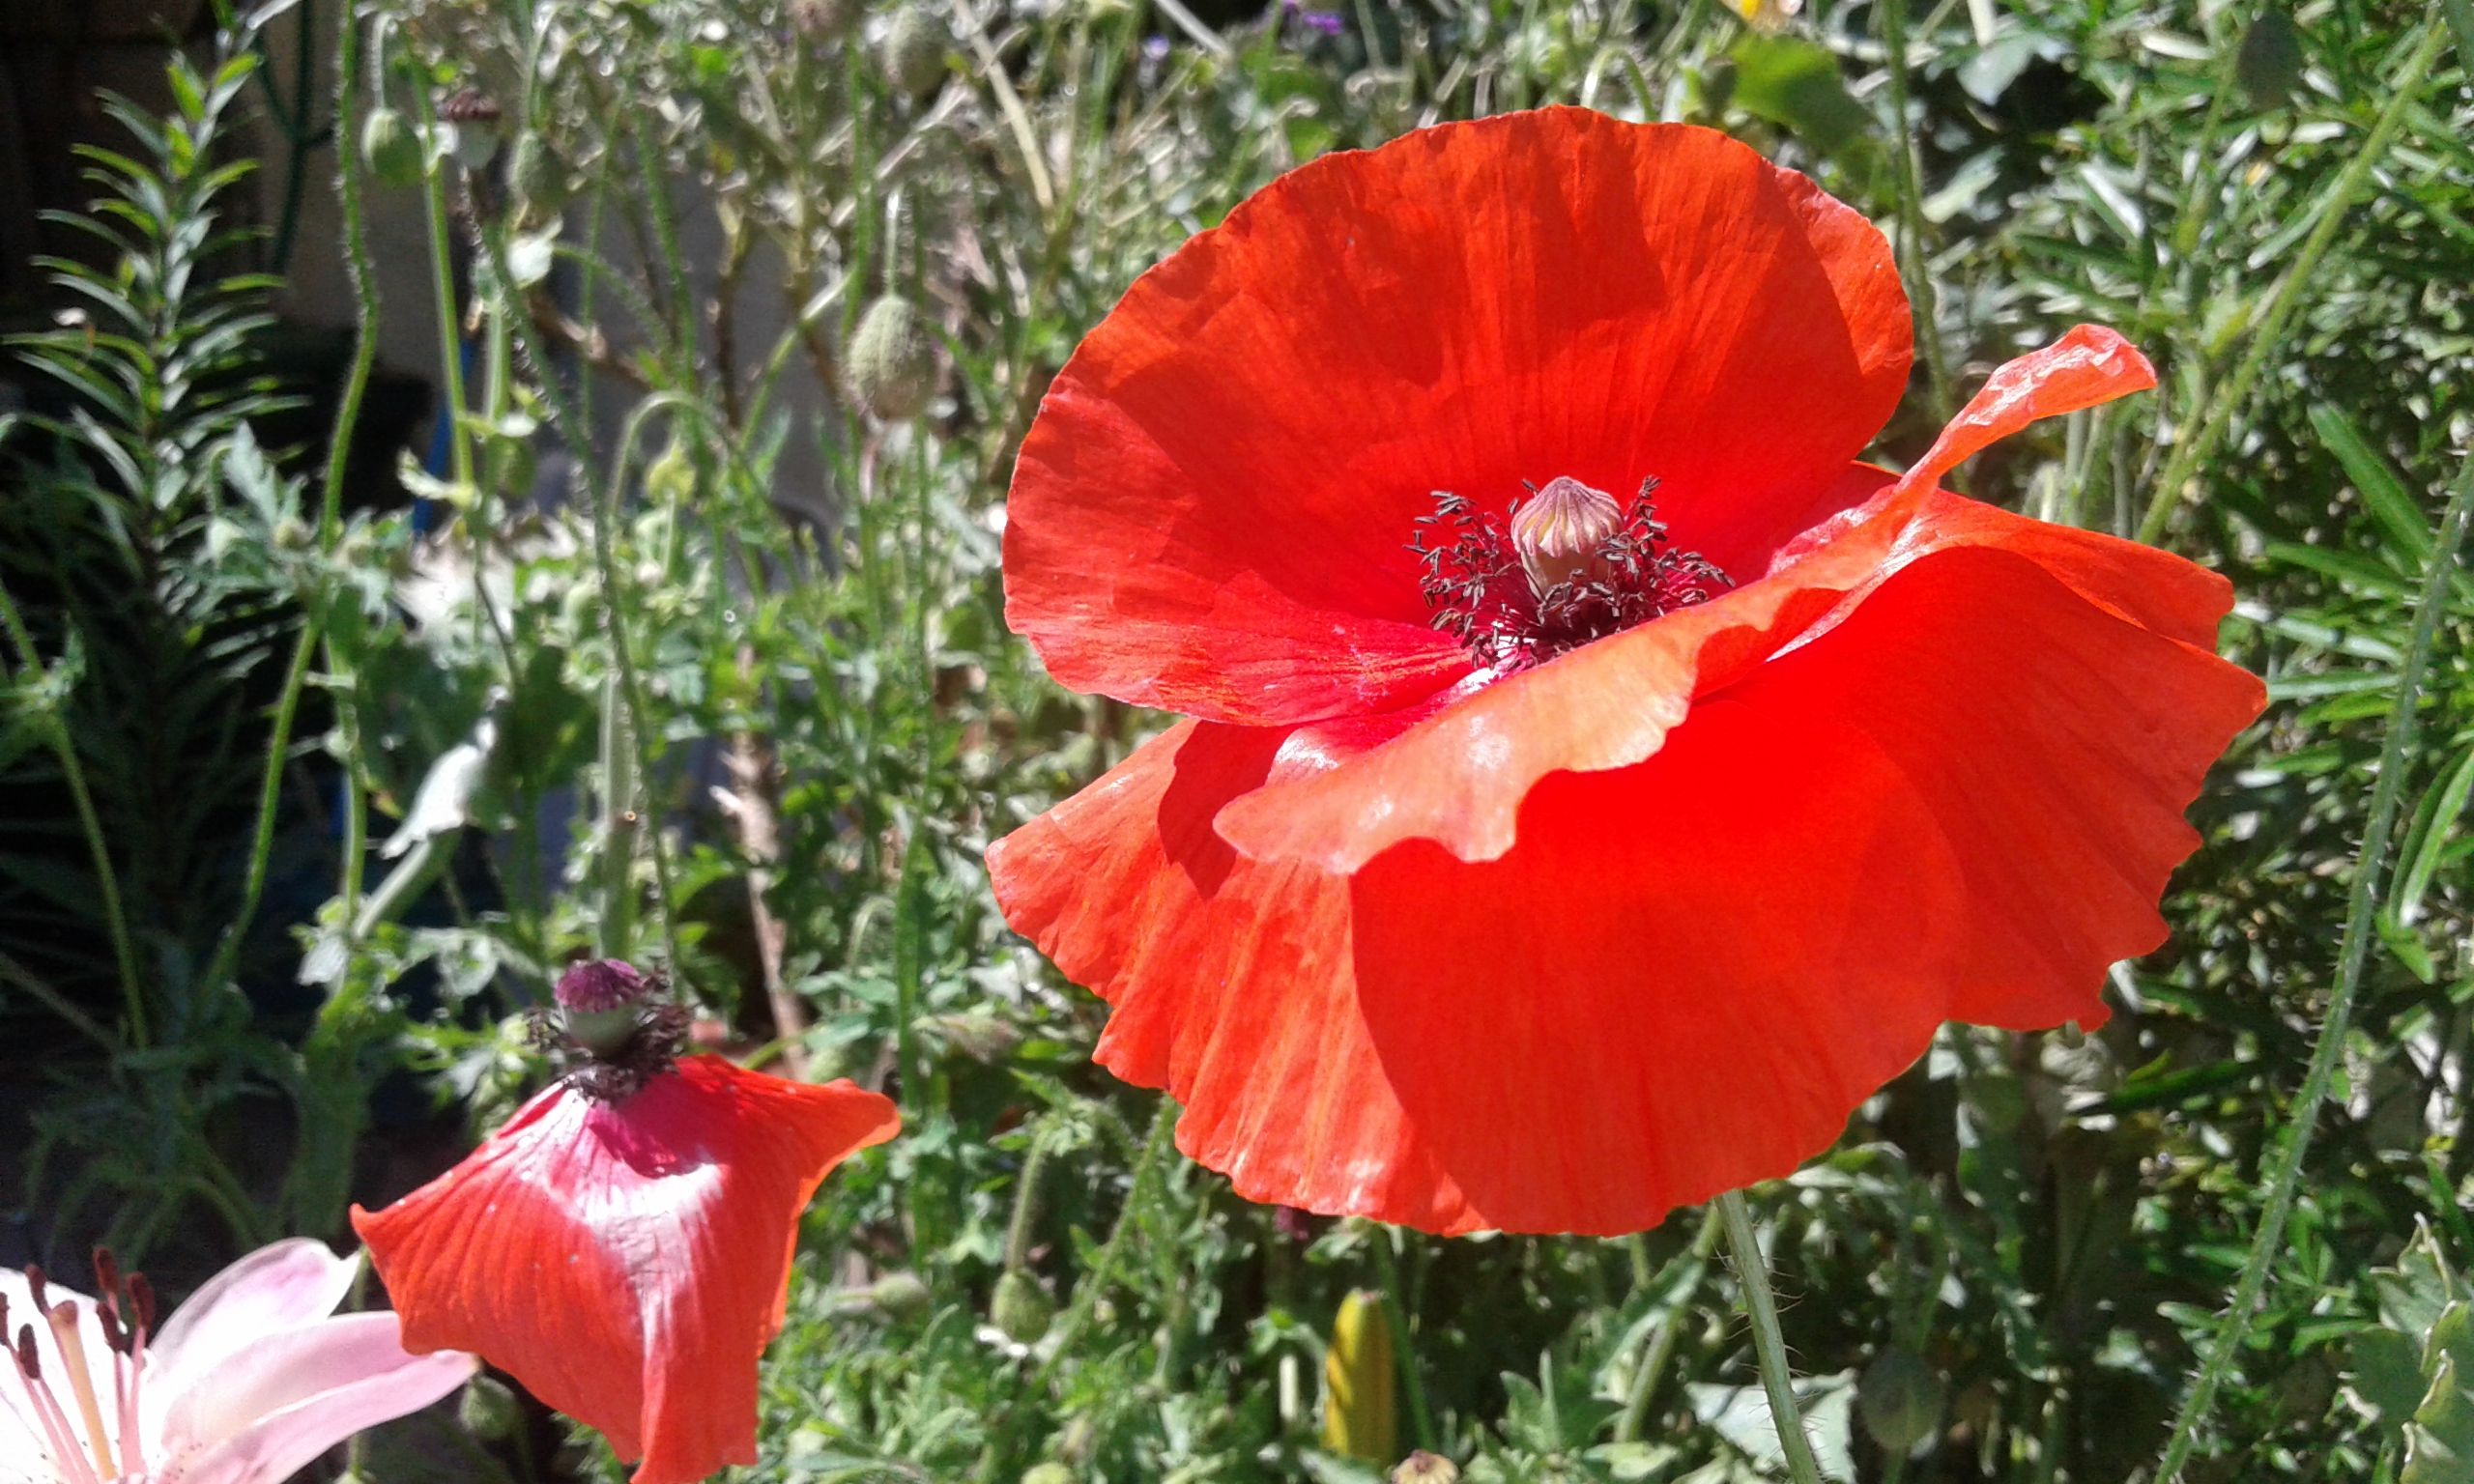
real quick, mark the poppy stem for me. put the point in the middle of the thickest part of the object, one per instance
(1768, 1346)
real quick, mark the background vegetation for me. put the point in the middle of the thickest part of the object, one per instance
(684, 643)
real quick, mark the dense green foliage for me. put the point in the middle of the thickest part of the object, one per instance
(730, 691)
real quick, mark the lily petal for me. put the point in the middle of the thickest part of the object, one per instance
(280, 1287)
(270, 1410)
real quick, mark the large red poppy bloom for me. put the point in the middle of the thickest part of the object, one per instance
(622, 1248)
(1465, 900)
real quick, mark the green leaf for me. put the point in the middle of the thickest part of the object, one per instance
(2384, 1380)
(2426, 838)
(1797, 83)
(2413, 1294)
(2384, 497)
(2439, 1442)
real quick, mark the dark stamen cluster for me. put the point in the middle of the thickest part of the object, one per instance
(1475, 586)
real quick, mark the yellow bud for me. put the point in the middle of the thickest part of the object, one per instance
(1360, 1380)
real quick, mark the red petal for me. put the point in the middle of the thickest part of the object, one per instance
(2054, 740)
(1210, 513)
(1961, 801)
(1457, 774)
(627, 1262)
(1231, 980)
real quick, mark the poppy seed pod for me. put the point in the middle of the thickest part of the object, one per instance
(1361, 1409)
(1901, 1399)
(913, 50)
(1020, 1309)
(390, 150)
(893, 360)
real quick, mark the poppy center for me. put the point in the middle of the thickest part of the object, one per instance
(611, 1028)
(1568, 565)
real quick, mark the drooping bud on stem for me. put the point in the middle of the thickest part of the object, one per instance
(1560, 532)
(599, 1001)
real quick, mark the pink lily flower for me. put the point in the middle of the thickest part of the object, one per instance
(246, 1383)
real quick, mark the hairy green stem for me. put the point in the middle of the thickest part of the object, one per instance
(2353, 950)
(2229, 397)
(1769, 1345)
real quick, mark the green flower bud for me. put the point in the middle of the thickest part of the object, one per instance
(913, 50)
(893, 360)
(488, 1410)
(1049, 1473)
(390, 150)
(1901, 1399)
(900, 1296)
(1020, 1310)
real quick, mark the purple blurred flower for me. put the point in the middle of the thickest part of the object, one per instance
(1328, 22)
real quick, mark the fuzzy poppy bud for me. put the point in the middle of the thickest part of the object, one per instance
(488, 1410)
(900, 1296)
(1020, 1309)
(1049, 1473)
(893, 360)
(1425, 1467)
(1360, 1408)
(1900, 1399)
(913, 50)
(390, 150)
(1559, 532)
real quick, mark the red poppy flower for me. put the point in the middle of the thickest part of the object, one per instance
(622, 1246)
(1546, 862)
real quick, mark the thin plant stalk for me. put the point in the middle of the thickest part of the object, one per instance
(1911, 214)
(1660, 1352)
(1396, 1307)
(2229, 395)
(1769, 1345)
(2353, 950)
(72, 772)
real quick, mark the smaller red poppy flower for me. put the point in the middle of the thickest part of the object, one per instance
(622, 1246)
